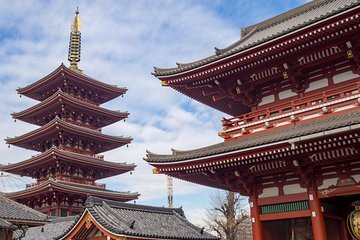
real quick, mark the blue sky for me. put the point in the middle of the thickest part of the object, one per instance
(121, 42)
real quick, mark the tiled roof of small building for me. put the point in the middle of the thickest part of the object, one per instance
(12, 211)
(275, 27)
(330, 123)
(143, 221)
(51, 230)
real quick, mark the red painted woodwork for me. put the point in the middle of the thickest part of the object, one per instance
(319, 155)
(285, 215)
(255, 218)
(317, 218)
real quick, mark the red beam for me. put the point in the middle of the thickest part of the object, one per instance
(285, 215)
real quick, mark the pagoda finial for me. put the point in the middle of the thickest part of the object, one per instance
(75, 42)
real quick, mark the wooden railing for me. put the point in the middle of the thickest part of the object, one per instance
(294, 110)
(70, 180)
(81, 124)
(81, 151)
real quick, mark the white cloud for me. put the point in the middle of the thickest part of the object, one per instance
(121, 42)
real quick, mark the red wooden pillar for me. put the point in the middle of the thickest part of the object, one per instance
(317, 217)
(257, 230)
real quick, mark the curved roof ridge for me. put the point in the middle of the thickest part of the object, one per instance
(184, 66)
(275, 136)
(41, 216)
(59, 121)
(264, 32)
(183, 153)
(21, 89)
(91, 188)
(72, 99)
(132, 206)
(87, 78)
(241, 40)
(290, 14)
(73, 186)
(149, 153)
(88, 158)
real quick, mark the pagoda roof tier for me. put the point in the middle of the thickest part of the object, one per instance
(55, 155)
(280, 136)
(60, 102)
(57, 128)
(283, 51)
(62, 76)
(53, 185)
(263, 32)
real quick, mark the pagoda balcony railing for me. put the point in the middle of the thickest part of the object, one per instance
(308, 107)
(86, 100)
(81, 124)
(70, 180)
(79, 151)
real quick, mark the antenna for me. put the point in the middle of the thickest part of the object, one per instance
(170, 191)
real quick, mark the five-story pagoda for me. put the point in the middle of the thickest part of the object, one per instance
(69, 139)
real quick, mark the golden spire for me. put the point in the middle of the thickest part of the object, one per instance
(75, 43)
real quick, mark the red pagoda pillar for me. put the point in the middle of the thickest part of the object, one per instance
(317, 217)
(255, 218)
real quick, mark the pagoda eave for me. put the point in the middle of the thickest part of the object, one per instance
(59, 103)
(53, 157)
(58, 127)
(72, 188)
(63, 73)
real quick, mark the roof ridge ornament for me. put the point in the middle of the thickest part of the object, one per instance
(75, 43)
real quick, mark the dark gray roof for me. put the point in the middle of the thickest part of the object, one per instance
(143, 221)
(316, 126)
(50, 230)
(14, 212)
(275, 27)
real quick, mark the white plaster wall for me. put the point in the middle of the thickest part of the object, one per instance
(267, 99)
(342, 77)
(317, 84)
(286, 94)
(328, 182)
(356, 177)
(293, 188)
(269, 192)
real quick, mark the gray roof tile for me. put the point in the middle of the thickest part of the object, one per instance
(274, 136)
(300, 17)
(13, 211)
(50, 230)
(143, 221)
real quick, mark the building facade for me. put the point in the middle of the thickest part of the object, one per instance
(291, 87)
(69, 139)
